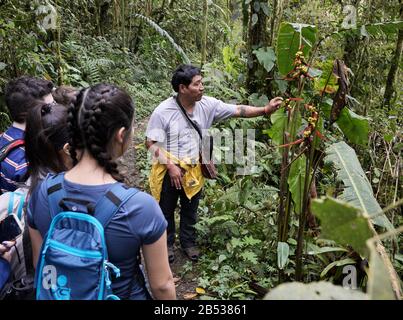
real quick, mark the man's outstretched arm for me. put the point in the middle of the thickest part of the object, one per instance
(244, 111)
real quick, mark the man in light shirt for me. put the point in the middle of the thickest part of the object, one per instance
(174, 142)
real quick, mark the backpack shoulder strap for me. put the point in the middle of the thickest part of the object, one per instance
(8, 147)
(55, 191)
(110, 203)
(21, 197)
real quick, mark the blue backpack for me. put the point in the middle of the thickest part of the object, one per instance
(73, 262)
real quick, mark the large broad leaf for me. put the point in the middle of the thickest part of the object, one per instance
(357, 189)
(276, 131)
(342, 223)
(382, 28)
(354, 127)
(314, 249)
(313, 291)
(266, 57)
(291, 37)
(327, 78)
(296, 179)
(379, 280)
(283, 250)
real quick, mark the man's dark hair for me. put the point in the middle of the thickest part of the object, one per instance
(22, 93)
(184, 75)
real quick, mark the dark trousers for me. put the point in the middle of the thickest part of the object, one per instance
(188, 213)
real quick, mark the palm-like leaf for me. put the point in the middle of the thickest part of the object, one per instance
(165, 34)
(357, 188)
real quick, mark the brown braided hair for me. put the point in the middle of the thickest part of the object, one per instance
(93, 119)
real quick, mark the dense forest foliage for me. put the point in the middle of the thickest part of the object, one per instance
(324, 196)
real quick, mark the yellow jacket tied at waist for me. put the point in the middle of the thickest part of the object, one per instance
(192, 181)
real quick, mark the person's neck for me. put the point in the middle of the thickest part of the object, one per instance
(187, 104)
(18, 125)
(88, 172)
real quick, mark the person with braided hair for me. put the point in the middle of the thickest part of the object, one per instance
(101, 124)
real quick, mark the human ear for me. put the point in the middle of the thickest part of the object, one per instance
(120, 135)
(182, 88)
(66, 149)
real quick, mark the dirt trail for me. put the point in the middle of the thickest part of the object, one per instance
(186, 282)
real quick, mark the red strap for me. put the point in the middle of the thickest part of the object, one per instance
(12, 145)
(15, 144)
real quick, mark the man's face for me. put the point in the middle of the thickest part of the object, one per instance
(48, 98)
(195, 89)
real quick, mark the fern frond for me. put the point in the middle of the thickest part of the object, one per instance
(165, 34)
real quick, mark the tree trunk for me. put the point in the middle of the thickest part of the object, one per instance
(123, 22)
(245, 21)
(204, 34)
(390, 82)
(103, 16)
(273, 20)
(351, 56)
(257, 38)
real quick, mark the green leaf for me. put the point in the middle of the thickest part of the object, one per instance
(249, 256)
(258, 100)
(342, 223)
(313, 291)
(354, 127)
(236, 242)
(314, 250)
(254, 19)
(325, 107)
(379, 281)
(256, 6)
(265, 8)
(357, 189)
(327, 76)
(221, 258)
(388, 137)
(244, 190)
(266, 57)
(382, 28)
(290, 38)
(281, 84)
(314, 73)
(250, 241)
(399, 257)
(296, 180)
(292, 241)
(2, 66)
(165, 34)
(279, 121)
(338, 263)
(283, 251)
